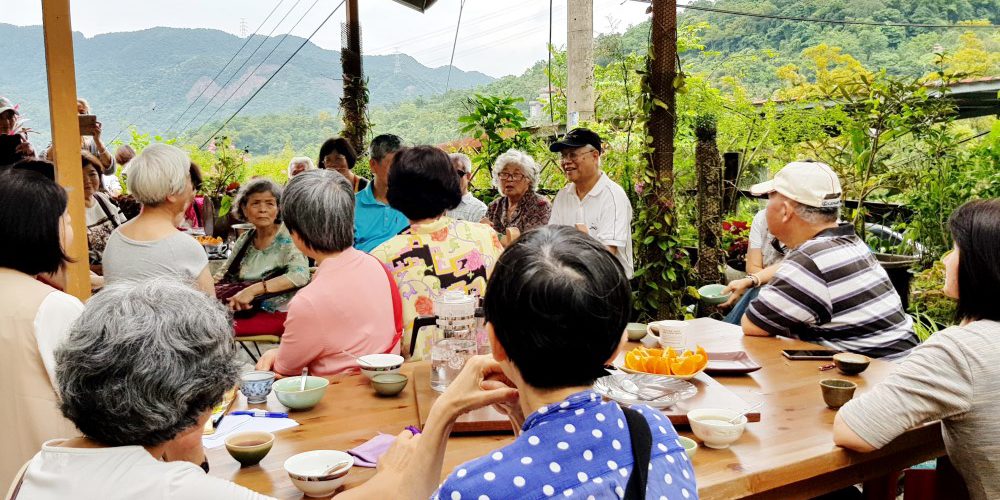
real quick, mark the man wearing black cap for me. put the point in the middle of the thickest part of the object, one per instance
(592, 198)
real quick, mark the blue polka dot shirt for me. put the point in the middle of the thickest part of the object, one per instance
(578, 448)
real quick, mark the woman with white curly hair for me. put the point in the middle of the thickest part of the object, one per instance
(515, 175)
(298, 165)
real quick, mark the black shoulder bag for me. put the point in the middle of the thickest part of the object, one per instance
(642, 444)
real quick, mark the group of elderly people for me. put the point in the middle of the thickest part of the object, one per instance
(109, 400)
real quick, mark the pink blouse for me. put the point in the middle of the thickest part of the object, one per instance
(346, 307)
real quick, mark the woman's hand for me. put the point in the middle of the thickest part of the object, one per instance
(737, 288)
(96, 281)
(481, 383)
(401, 454)
(266, 361)
(511, 408)
(243, 300)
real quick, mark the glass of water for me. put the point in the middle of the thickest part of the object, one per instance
(448, 357)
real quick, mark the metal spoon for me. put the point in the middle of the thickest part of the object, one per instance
(335, 467)
(744, 412)
(305, 374)
(358, 359)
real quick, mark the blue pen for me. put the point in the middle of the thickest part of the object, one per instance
(261, 413)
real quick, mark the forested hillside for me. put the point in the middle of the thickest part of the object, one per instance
(147, 78)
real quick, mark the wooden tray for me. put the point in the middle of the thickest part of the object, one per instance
(482, 420)
(730, 363)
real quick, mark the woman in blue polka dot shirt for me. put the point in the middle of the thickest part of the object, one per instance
(556, 308)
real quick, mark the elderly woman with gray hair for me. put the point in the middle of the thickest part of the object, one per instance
(150, 245)
(139, 374)
(298, 165)
(351, 307)
(515, 175)
(261, 275)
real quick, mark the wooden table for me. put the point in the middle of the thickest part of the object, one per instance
(788, 454)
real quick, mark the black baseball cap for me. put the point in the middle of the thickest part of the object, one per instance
(577, 138)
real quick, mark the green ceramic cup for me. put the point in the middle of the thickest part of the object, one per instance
(389, 384)
(249, 448)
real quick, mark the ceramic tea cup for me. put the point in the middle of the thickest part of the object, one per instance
(836, 392)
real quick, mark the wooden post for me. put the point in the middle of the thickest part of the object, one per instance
(61, 75)
(355, 100)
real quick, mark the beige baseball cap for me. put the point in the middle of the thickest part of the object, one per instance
(810, 183)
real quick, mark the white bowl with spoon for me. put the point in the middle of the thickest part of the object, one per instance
(319, 473)
(716, 427)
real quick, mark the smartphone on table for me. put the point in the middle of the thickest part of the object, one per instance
(808, 354)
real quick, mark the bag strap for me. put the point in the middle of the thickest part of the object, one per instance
(107, 211)
(232, 272)
(397, 308)
(642, 443)
(16, 486)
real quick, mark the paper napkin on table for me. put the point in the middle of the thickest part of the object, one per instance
(243, 423)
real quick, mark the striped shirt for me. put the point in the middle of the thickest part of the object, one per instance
(832, 291)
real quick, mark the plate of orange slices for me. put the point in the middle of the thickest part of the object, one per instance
(664, 362)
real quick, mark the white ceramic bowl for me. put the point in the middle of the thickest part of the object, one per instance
(710, 425)
(306, 469)
(374, 364)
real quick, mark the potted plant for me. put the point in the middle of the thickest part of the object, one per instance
(736, 241)
(222, 181)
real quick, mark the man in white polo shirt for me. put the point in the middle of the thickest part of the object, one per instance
(592, 198)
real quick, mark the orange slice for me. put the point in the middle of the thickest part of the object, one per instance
(685, 367)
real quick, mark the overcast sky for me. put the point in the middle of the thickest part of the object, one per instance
(497, 37)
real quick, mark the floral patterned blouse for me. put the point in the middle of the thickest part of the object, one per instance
(258, 263)
(532, 212)
(429, 259)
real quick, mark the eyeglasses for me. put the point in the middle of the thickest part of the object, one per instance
(574, 156)
(510, 177)
(333, 158)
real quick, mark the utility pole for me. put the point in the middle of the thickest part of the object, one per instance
(243, 27)
(579, 61)
(354, 102)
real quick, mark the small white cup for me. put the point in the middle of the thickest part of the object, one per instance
(671, 333)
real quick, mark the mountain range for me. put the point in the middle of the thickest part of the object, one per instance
(148, 78)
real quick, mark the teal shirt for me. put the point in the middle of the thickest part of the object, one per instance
(374, 221)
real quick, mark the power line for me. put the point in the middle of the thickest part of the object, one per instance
(131, 123)
(838, 21)
(254, 70)
(454, 44)
(303, 44)
(231, 59)
(245, 62)
(444, 47)
(474, 21)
